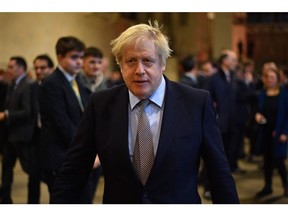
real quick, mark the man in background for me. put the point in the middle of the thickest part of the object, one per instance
(43, 66)
(62, 102)
(19, 125)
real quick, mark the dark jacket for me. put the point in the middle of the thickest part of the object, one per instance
(20, 122)
(60, 115)
(281, 127)
(189, 130)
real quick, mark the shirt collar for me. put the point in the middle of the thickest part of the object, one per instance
(192, 76)
(157, 97)
(18, 79)
(68, 76)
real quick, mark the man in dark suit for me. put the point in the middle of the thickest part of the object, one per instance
(43, 66)
(224, 88)
(149, 153)
(19, 124)
(62, 101)
(190, 76)
(3, 95)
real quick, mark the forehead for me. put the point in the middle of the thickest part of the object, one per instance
(74, 53)
(12, 62)
(140, 47)
(40, 61)
(93, 58)
(270, 73)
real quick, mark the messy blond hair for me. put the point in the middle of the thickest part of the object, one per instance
(136, 35)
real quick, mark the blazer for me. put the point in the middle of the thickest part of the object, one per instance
(20, 122)
(3, 94)
(60, 115)
(189, 130)
(224, 95)
(190, 82)
(281, 127)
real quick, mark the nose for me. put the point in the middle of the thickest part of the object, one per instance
(139, 68)
(79, 61)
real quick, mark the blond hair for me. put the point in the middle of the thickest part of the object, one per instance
(136, 35)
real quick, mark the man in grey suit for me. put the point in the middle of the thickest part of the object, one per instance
(19, 124)
(149, 153)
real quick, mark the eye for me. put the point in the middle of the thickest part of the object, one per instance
(130, 61)
(148, 62)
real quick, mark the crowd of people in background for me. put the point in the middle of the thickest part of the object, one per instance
(39, 114)
(252, 108)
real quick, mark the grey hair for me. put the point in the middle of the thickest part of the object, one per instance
(136, 35)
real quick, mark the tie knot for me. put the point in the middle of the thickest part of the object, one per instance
(143, 104)
(73, 82)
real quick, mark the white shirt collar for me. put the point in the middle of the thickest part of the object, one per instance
(18, 79)
(157, 97)
(68, 76)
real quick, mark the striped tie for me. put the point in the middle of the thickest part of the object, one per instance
(77, 93)
(143, 152)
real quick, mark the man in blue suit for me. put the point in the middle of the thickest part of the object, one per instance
(182, 125)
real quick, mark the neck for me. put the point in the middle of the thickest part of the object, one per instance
(272, 91)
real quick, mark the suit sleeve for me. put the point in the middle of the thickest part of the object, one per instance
(54, 110)
(23, 114)
(78, 163)
(223, 189)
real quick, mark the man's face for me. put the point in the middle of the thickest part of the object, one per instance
(41, 69)
(141, 69)
(232, 61)
(72, 62)
(14, 70)
(92, 66)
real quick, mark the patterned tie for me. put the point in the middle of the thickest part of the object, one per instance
(143, 152)
(77, 93)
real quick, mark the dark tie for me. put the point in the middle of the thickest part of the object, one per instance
(143, 151)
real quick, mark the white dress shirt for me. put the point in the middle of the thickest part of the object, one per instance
(154, 111)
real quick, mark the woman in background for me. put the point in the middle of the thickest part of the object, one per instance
(273, 116)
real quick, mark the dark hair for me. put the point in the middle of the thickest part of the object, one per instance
(45, 58)
(68, 44)
(188, 63)
(20, 61)
(93, 51)
(222, 58)
(285, 72)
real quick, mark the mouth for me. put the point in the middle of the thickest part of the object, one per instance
(140, 81)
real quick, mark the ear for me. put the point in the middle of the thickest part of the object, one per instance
(163, 68)
(60, 57)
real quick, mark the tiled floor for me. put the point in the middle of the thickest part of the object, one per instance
(247, 184)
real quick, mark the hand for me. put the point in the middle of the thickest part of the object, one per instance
(96, 162)
(283, 138)
(2, 116)
(260, 119)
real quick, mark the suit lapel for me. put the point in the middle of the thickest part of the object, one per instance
(72, 99)
(118, 110)
(168, 125)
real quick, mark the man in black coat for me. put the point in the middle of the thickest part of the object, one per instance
(178, 123)
(43, 66)
(19, 125)
(62, 102)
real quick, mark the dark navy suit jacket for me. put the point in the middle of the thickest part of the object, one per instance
(189, 130)
(281, 127)
(60, 115)
(224, 95)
